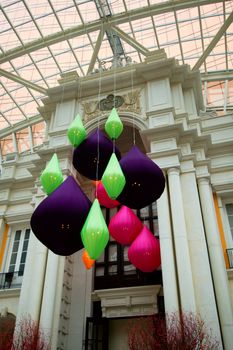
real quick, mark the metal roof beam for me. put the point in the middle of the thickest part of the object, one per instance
(131, 41)
(120, 18)
(217, 76)
(96, 51)
(20, 126)
(23, 81)
(214, 42)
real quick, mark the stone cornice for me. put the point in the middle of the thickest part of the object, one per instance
(152, 69)
(125, 302)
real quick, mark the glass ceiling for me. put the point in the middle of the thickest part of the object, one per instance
(40, 40)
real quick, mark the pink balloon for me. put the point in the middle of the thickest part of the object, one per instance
(144, 252)
(104, 198)
(124, 226)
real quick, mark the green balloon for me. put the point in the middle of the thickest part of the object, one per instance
(94, 234)
(76, 132)
(113, 125)
(113, 178)
(51, 176)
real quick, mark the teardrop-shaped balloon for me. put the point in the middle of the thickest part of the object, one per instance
(95, 235)
(144, 252)
(104, 198)
(124, 226)
(88, 262)
(113, 125)
(59, 218)
(113, 178)
(144, 180)
(51, 176)
(76, 132)
(95, 150)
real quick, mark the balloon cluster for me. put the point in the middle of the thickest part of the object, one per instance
(65, 220)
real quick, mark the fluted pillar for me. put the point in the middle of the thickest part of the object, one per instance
(34, 273)
(203, 284)
(185, 280)
(33, 281)
(217, 262)
(49, 292)
(167, 255)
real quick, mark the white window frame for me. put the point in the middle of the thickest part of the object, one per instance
(9, 252)
(226, 224)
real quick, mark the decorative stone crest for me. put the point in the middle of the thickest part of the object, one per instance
(109, 102)
(129, 102)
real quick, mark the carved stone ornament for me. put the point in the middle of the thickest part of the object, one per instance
(129, 102)
(109, 102)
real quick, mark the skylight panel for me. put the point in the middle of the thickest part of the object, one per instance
(38, 132)
(88, 11)
(23, 141)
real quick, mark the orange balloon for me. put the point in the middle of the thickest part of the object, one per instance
(88, 262)
(95, 182)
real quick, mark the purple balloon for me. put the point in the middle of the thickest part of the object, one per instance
(145, 181)
(59, 218)
(86, 155)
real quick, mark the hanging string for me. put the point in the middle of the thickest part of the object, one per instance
(98, 126)
(132, 87)
(114, 87)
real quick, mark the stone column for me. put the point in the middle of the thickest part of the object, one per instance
(49, 292)
(167, 255)
(57, 302)
(217, 262)
(34, 274)
(185, 280)
(33, 281)
(203, 284)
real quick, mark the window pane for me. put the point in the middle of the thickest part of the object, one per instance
(129, 269)
(17, 235)
(231, 220)
(23, 258)
(11, 268)
(126, 253)
(21, 269)
(112, 270)
(27, 233)
(99, 271)
(25, 245)
(113, 252)
(15, 246)
(229, 209)
(13, 258)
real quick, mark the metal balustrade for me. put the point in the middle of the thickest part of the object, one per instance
(9, 280)
(230, 257)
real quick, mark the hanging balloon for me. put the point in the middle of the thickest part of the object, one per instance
(59, 218)
(113, 178)
(124, 226)
(51, 177)
(76, 132)
(144, 252)
(95, 233)
(113, 125)
(88, 262)
(103, 197)
(96, 148)
(144, 180)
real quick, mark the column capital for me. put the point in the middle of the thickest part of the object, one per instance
(203, 180)
(173, 171)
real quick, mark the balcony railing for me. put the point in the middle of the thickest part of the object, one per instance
(230, 257)
(9, 280)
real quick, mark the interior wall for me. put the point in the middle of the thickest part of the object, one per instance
(118, 334)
